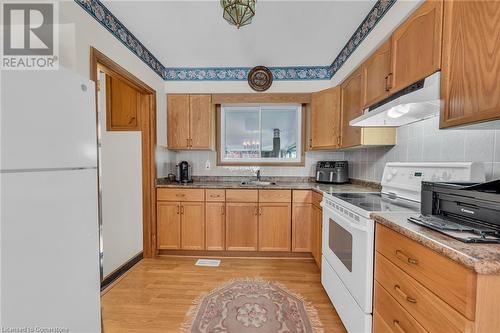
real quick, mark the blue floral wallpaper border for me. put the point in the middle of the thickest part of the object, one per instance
(104, 16)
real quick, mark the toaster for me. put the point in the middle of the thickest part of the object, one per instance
(332, 172)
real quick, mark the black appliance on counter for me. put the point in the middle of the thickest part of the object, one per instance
(184, 173)
(333, 172)
(468, 212)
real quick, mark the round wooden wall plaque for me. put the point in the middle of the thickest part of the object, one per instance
(260, 78)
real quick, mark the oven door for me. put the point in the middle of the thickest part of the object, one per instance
(348, 248)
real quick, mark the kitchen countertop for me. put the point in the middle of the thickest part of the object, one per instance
(482, 258)
(321, 188)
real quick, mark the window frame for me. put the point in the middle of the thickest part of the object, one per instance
(262, 161)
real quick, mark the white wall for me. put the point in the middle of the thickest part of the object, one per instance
(79, 31)
(424, 142)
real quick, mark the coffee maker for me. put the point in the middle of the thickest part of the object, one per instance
(184, 174)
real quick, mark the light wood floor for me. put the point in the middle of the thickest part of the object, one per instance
(156, 294)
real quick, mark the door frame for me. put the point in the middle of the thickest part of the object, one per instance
(100, 62)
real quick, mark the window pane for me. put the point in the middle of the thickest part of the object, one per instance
(279, 132)
(242, 135)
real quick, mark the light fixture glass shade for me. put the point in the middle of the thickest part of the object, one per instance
(238, 12)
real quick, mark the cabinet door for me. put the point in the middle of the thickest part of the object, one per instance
(376, 72)
(351, 108)
(325, 119)
(470, 74)
(178, 121)
(215, 223)
(192, 225)
(275, 226)
(168, 225)
(302, 227)
(200, 121)
(241, 226)
(122, 105)
(416, 45)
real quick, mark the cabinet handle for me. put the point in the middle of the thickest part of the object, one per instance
(388, 82)
(182, 210)
(191, 143)
(260, 211)
(403, 257)
(404, 295)
(221, 210)
(398, 326)
(178, 209)
(180, 195)
(256, 211)
(310, 143)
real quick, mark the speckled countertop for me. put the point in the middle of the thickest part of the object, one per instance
(280, 185)
(482, 258)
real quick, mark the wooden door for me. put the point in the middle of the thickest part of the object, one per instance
(192, 225)
(215, 225)
(200, 121)
(376, 72)
(275, 224)
(470, 75)
(325, 119)
(416, 45)
(241, 226)
(351, 108)
(168, 225)
(302, 227)
(178, 121)
(122, 105)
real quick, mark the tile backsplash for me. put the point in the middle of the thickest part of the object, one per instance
(424, 142)
(198, 160)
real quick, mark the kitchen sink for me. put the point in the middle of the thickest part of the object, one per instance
(257, 183)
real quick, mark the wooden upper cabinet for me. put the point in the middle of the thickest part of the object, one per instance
(416, 45)
(351, 108)
(122, 105)
(470, 74)
(189, 121)
(200, 121)
(178, 121)
(376, 74)
(325, 119)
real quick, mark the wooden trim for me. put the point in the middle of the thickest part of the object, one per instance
(117, 273)
(99, 61)
(283, 164)
(300, 98)
(236, 254)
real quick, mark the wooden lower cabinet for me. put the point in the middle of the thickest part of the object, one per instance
(215, 226)
(302, 227)
(316, 236)
(241, 226)
(168, 225)
(192, 225)
(274, 226)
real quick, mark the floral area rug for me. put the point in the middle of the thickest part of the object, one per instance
(252, 306)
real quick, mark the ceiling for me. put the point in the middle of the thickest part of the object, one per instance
(283, 33)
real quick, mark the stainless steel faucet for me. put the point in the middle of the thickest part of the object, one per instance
(258, 175)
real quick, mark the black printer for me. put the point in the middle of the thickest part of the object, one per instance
(469, 212)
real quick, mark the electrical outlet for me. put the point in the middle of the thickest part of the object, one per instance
(207, 165)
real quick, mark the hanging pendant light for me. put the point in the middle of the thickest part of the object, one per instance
(238, 12)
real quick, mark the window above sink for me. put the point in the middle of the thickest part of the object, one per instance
(261, 134)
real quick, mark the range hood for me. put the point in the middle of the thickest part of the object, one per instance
(416, 102)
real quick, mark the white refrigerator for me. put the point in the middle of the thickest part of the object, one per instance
(49, 202)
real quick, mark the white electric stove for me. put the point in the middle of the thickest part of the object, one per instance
(348, 232)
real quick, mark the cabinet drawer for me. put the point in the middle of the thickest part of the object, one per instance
(452, 282)
(275, 196)
(434, 314)
(180, 194)
(242, 195)
(393, 314)
(317, 198)
(215, 195)
(302, 196)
